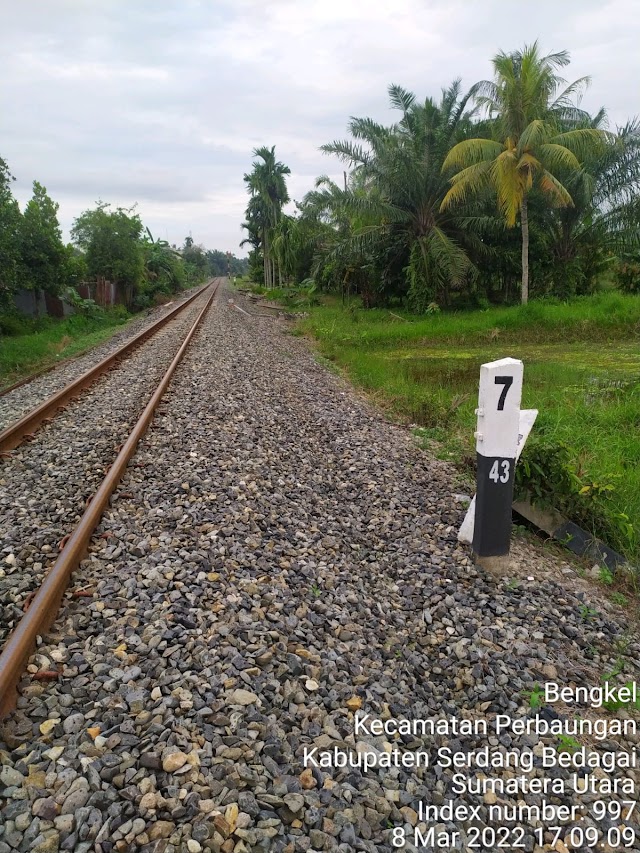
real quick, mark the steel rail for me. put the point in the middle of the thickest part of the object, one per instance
(13, 435)
(46, 602)
(6, 389)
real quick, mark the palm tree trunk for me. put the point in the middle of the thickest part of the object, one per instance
(272, 269)
(267, 261)
(264, 256)
(524, 220)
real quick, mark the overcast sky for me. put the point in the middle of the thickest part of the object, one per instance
(161, 103)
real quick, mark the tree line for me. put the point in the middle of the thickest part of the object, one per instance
(107, 242)
(508, 190)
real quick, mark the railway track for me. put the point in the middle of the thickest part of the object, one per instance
(277, 559)
(33, 413)
(74, 458)
(86, 357)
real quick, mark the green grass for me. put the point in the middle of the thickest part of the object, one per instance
(44, 342)
(582, 372)
(602, 317)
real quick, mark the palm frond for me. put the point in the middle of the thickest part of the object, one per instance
(553, 188)
(400, 98)
(347, 152)
(510, 184)
(467, 182)
(574, 90)
(533, 134)
(448, 255)
(557, 157)
(583, 140)
(471, 151)
(367, 129)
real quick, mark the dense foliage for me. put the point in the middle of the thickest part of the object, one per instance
(428, 209)
(32, 254)
(106, 243)
(9, 237)
(224, 263)
(112, 244)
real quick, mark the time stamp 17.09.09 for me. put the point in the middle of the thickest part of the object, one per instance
(501, 834)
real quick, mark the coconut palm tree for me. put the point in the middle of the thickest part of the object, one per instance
(536, 137)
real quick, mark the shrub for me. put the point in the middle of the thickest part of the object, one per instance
(12, 325)
(628, 275)
(548, 475)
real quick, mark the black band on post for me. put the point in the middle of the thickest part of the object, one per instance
(492, 527)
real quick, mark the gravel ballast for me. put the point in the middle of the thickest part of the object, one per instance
(277, 560)
(20, 400)
(45, 483)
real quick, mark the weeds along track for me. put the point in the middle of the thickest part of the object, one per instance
(46, 484)
(33, 391)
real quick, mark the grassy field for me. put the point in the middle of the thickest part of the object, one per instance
(37, 344)
(582, 371)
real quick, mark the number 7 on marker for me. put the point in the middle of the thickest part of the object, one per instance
(507, 381)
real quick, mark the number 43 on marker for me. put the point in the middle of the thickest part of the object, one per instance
(500, 476)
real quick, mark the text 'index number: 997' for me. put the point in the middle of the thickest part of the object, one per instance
(507, 382)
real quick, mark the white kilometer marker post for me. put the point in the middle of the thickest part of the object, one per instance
(527, 420)
(497, 449)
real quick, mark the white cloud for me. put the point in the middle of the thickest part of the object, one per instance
(162, 102)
